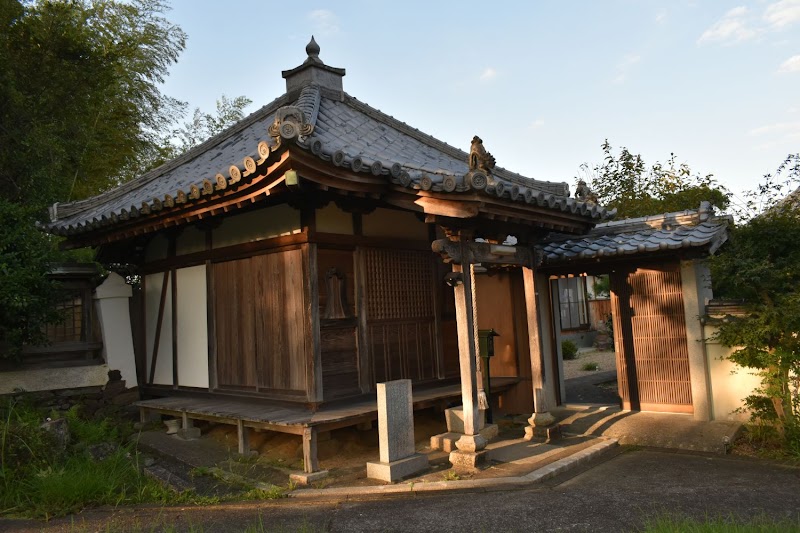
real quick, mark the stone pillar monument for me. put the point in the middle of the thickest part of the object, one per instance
(113, 313)
(398, 459)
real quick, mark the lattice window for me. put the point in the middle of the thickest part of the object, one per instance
(71, 327)
(399, 284)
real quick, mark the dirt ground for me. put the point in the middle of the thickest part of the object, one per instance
(604, 360)
(343, 452)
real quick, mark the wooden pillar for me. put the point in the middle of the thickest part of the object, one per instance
(310, 462)
(466, 348)
(541, 409)
(243, 434)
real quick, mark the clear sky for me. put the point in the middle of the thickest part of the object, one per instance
(542, 83)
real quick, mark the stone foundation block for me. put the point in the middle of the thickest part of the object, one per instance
(189, 433)
(397, 469)
(467, 462)
(552, 432)
(455, 419)
(447, 441)
(307, 478)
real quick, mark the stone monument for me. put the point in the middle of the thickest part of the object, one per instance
(398, 459)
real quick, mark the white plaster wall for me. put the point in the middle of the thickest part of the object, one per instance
(156, 248)
(331, 219)
(729, 382)
(153, 284)
(112, 298)
(256, 225)
(190, 240)
(394, 223)
(192, 327)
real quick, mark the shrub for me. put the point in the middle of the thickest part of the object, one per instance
(569, 350)
(590, 366)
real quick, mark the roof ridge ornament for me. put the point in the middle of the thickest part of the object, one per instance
(480, 164)
(479, 158)
(584, 194)
(312, 49)
(289, 124)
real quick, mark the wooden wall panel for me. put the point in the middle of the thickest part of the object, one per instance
(339, 362)
(234, 308)
(496, 311)
(341, 260)
(280, 341)
(259, 312)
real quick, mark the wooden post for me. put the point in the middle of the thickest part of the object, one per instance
(243, 434)
(310, 463)
(465, 324)
(541, 415)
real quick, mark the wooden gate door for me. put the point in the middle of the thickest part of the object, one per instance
(650, 338)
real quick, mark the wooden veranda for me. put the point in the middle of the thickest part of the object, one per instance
(295, 419)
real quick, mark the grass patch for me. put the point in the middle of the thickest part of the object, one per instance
(590, 366)
(731, 524)
(42, 477)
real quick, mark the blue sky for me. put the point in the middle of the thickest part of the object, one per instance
(542, 83)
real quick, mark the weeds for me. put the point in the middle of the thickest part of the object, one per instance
(590, 367)
(451, 475)
(731, 524)
(42, 478)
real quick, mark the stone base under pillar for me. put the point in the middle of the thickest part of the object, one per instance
(467, 462)
(551, 432)
(447, 441)
(189, 433)
(307, 478)
(397, 469)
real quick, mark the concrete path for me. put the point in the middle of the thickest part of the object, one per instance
(585, 390)
(620, 493)
(659, 430)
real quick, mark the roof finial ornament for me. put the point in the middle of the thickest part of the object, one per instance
(479, 158)
(312, 49)
(584, 194)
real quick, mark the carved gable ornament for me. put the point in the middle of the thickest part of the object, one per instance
(289, 124)
(481, 164)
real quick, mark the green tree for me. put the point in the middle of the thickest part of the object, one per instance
(80, 112)
(79, 93)
(27, 296)
(759, 265)
(626, 183)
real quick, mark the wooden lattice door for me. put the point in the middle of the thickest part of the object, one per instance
(400, 312)
(650, 337)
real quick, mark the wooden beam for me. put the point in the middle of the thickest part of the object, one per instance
(365, 380)
(466, 348)
(538, 376)
(211, 320)
(483, 252)
(312, 325)
(159, 321)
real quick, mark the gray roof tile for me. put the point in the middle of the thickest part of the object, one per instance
(672, 231)
(345, 124)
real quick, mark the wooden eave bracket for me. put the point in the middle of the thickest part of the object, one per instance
(471, 252)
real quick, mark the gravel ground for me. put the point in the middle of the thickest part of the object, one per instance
(605, 360)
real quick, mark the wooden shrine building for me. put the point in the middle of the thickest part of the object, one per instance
(287, 264)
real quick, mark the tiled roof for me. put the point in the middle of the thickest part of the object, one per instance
(698, 229)
(346, 132)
